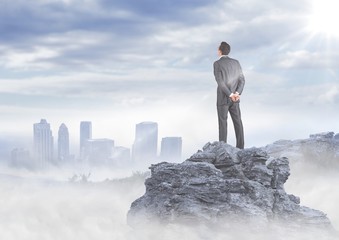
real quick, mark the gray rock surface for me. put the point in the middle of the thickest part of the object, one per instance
(321, 149)
(222, 183)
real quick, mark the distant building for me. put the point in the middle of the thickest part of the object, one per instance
(43, 143)
(121, 156)
(100, 151)
(145, 143)
(20, 158)
(63, 143)
(171, 149)
(85, 134)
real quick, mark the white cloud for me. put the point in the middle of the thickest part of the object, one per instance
(330, 95)
(144, 82)
(40, 209)
(306, 59)
(36, 58)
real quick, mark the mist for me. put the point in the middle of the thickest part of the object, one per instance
(317, 187)
(36, 208)
(49, 205)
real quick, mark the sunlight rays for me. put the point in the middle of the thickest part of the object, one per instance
(324, 18)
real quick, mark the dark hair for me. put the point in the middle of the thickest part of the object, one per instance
(225, 48)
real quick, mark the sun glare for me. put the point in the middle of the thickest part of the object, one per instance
(324, 18)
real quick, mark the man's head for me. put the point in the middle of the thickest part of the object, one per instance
(224, 48)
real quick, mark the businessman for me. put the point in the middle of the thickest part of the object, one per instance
(231, 81)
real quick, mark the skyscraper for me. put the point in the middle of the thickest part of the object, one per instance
(171, 148)
(63, 143)
(99, 151)
(20, 158)
(85, 134)
(43, 143)
(146, 142)
(121, 156)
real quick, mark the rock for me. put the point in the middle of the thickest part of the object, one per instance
(222, 184)
(323, 135)
(281, 171)
(321, 150)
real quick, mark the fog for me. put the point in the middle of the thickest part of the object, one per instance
(317, 188)
(48, 205)
(38, 208)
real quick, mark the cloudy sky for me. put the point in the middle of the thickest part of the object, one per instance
(119, 62)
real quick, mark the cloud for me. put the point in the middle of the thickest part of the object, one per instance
(124, 34)
(113, 29)
(305, 59)
(330, 95)
(42, 208)
(37, 57)
(46, 210)
(155, 83)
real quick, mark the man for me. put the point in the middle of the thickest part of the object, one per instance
(231, 81)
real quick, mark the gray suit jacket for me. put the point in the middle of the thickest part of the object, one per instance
(230, 79)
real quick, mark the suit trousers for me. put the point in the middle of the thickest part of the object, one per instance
(234, 109)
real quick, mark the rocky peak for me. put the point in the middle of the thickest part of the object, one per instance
(323, 135)
(221, 183)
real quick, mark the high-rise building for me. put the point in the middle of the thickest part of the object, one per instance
(85, 134)
(63, 143)
(20, 158)
(171, 148)
(121, 156)
(99, 151)
(146, 142)
(43, 143)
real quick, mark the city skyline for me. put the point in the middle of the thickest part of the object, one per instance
(99, 151)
